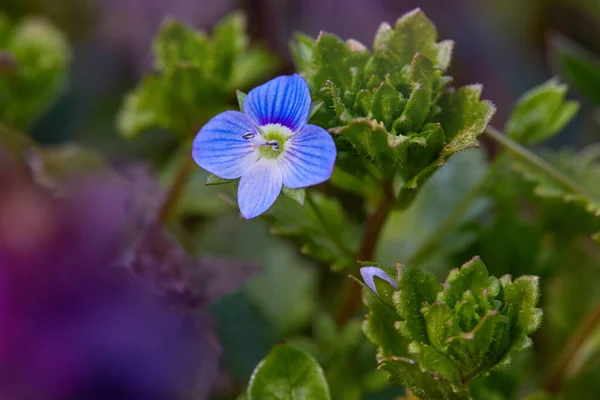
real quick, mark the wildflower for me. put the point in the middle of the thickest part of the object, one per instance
(369, 273)
(268, 145)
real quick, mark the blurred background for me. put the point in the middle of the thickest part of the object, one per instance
(502, 44)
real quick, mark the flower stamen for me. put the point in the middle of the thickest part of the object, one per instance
(273, 143)
(256, 140)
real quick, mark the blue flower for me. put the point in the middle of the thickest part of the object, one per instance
(268, 145)
(369, 273)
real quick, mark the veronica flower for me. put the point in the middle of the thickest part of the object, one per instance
(369, 273)
(268, 145)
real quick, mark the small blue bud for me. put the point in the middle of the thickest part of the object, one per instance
(369, 273)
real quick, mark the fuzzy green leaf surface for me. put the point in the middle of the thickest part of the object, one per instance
(390, 105)
(439, 337)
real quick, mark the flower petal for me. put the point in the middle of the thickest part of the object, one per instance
(308, 158)
(259, 188)
(284, 100)
(369, 273)
(219, 147)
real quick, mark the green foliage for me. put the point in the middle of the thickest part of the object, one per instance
(541, 113)
(288, 373)
(327, 232)
(346, 356)
(562, 175)
(440, 337)
(286, 275)
(34, 62)
(392, 105)
(195, 77)
(578, 66)
(579, 175)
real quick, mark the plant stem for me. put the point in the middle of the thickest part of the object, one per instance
(560, 369)
(534, 159)
(168, 206)
(426, 249)
(351, 299)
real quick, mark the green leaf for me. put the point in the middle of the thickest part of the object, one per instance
(241, 96)
(230, 40)
(177, 45)
(414, 33)
(577, 65)
(524, 294)
(470, 350)
(194, 79)
(468, 312)
(297, 195)
(215, 180)
(541, 113)
(458, 331)
(417, 288)
(286, 275)
(419, 150)
(563, 175)
(424, 384)
(440, 325)
(430, 232)
(288, 373)
(379, 327)
(332, 59)
(37, 58)
(387, 104)
(417, 106)
(370, 139)
(464, 118)
(314, 107)
(327, 232)
(436, 362)
(473, 277)
(252, 66)
(302, 49)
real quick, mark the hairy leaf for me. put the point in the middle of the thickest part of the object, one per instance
(424, 384)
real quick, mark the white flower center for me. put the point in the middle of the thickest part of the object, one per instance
(270, 139)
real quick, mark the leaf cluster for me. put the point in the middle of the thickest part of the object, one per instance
(34, 64)
(195, 77)
(435, 338)
(393, 106)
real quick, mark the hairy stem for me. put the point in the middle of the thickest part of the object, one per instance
(177, 186)
(561, 367)
(351, 299)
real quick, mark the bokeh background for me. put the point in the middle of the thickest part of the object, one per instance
(502, 44)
